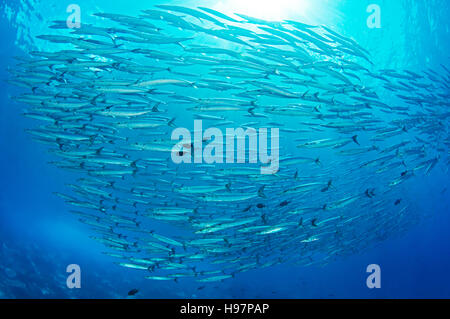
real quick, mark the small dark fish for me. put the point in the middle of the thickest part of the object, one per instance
(284, 203)
(260, 206)
(133, 292)
(397, 202)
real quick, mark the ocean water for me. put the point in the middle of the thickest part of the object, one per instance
(39, 238)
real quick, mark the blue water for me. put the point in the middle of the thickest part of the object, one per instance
(39, 238)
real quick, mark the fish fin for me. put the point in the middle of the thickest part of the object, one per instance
(171, 122)
(261, 192)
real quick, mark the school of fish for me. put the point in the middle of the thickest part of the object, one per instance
(106, 97)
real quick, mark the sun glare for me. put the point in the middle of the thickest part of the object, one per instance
(272, 10)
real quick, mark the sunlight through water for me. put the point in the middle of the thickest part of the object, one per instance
(266, 9)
